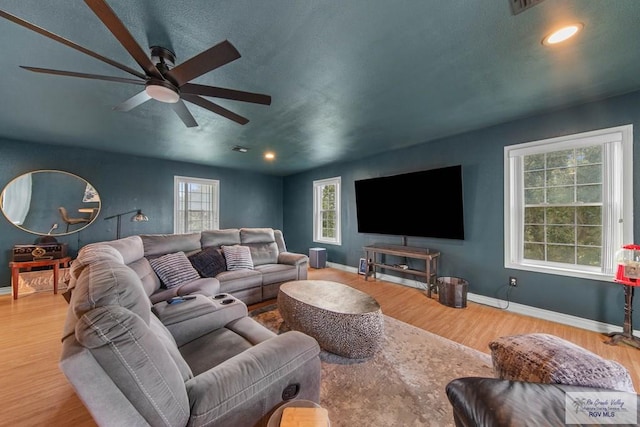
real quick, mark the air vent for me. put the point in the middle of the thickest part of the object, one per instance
(518, 6)
(240, 149)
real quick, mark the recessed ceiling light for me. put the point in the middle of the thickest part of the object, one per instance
(269, 155)
(562, 34)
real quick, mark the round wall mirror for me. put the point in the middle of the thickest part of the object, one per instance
(50, 202)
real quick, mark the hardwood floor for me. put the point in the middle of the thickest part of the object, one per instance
(34, 392)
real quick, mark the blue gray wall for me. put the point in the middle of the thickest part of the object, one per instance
(480, 257)
(256, 200)
(125, 183)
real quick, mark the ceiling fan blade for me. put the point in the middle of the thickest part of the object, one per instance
(117, 28)
(209, 60)
(219, 92)
(185, 115)
(82, 75)
(133, 102)
(215, 108)
(69, 43)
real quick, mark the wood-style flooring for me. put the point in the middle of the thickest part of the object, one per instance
(34, 392)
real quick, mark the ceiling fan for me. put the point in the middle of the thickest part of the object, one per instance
(162, 80)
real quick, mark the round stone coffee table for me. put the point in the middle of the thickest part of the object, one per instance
(344, 320)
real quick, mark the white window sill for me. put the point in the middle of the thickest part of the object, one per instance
(328, 242)
(562, 272)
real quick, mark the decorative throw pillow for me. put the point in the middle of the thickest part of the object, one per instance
(544, 358)
(174, 269)
(238, 257)
(209, 262)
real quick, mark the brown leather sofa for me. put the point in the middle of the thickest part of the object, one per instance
(492, 402)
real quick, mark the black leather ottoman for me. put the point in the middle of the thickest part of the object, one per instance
(493, 402)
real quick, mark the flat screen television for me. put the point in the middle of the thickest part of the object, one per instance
(427, 203)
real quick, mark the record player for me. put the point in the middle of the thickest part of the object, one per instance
(39, 251)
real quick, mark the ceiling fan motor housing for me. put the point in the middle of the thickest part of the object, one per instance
(163, 58)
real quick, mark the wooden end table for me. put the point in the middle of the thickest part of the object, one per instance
(16, 266)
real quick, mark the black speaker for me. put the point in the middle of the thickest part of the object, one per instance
(318, 257)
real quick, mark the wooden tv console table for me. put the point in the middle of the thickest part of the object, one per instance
(429, 256)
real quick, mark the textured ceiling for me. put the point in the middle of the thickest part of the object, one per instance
(346, 78)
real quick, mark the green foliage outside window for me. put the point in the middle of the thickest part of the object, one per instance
(563, 206)
(329, 211)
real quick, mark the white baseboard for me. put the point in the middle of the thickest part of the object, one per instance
(5, 290)
(553, 316)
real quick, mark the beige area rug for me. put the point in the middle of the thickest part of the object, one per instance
(30, 282)
(402, 385)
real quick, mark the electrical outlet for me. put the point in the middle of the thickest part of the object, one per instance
(513, 281)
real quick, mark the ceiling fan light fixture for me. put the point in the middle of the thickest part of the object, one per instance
(562, 34)
(162, 91)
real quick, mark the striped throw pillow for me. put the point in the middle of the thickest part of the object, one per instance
(174, 269)
(238, 257)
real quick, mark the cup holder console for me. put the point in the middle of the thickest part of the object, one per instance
(224, 299)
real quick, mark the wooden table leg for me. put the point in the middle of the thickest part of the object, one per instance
(15, 276)
(56, 271)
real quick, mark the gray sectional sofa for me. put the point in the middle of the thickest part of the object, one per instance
(140, 355)
(272, 263)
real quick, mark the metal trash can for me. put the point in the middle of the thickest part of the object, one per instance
(452, 291)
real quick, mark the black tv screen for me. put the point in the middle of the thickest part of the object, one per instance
(422, 204)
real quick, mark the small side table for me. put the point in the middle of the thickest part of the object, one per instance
(16, 266)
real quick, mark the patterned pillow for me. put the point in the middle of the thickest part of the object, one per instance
(174, 269)
(238, 257)
(544, 358)
(209, 262)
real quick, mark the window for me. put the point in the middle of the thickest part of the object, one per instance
(569, 203)
(326, 211)
(195, 204)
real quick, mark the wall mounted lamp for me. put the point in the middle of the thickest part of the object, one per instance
(139, 216)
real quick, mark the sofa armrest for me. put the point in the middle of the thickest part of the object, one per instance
(198, 315)
(292, 258)
(258, 374)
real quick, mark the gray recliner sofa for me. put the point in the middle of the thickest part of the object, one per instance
(272, 263)
(199, 362)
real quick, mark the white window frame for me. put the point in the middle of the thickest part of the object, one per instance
(317, 212)
(617, 199)
(215, 201)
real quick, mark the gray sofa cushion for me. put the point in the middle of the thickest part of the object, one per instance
(130, 248)
(174, 269)
(256, 235)
(137, 362)
(149, 278)
(161, 244)
(277, 273)
(264, 253)
(218, 238)
(91, 253)
(264, 368)
(106, 283)
(232, 281)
